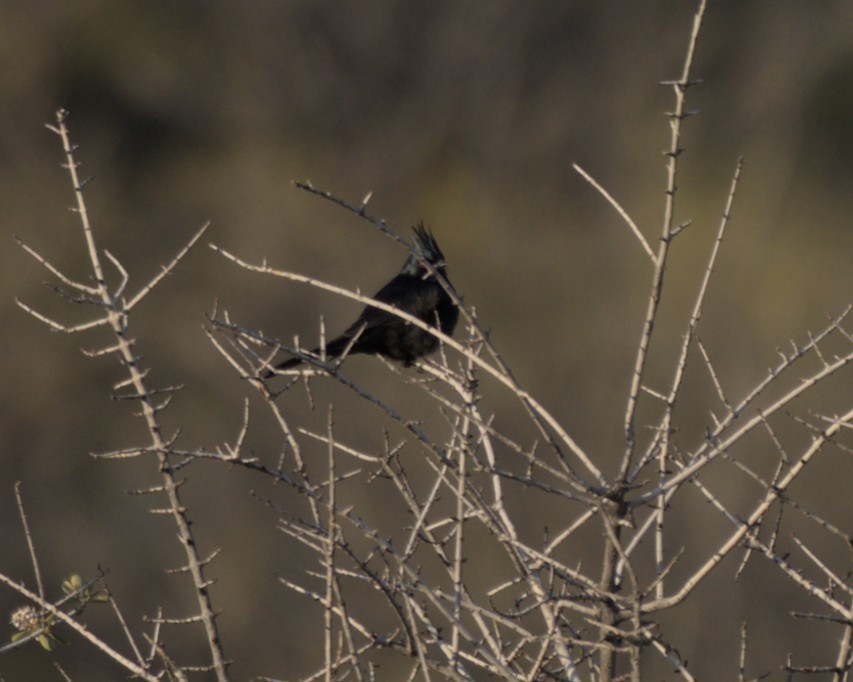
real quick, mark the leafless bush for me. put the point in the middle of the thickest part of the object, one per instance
(465, 589)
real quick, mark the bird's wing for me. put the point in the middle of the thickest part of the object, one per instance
(406, 292)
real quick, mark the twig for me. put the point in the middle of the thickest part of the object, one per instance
(33, 558)
(621, 211)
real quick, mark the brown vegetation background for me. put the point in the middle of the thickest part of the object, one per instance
(468, 115)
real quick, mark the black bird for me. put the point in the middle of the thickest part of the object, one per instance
(415, 291)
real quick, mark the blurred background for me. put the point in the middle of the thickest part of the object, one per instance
(467, 115)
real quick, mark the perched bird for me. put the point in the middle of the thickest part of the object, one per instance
(415, 291)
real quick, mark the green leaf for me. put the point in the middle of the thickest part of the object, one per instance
(72, 584)
(45, 642)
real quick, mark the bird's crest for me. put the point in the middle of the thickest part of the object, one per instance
(426, 248)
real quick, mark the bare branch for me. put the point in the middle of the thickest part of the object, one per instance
(621, 211)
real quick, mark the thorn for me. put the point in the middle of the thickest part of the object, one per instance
(679, 228)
